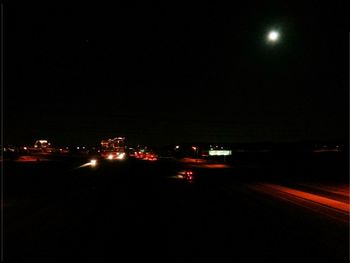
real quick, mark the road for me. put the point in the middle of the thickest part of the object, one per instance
(139, 210)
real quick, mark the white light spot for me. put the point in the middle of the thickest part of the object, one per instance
(93, 162)
(273, 36)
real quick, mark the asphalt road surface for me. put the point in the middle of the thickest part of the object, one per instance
(127, 211)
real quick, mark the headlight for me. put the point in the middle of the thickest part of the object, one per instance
(121, 156)
(93, 162)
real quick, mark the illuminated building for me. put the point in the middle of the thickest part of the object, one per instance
(113, 148)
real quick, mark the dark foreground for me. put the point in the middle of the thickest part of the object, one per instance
(135, 211)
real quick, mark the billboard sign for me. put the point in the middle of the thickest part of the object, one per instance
(220, 152)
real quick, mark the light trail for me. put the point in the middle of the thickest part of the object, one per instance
(319, 204)
(311, 197)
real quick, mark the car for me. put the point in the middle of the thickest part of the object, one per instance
(187, 175)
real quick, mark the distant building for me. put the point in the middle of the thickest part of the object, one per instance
(41, 144)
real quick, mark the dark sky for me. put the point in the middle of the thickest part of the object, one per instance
(78, 74)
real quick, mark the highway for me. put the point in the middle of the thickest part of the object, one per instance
(138, 210)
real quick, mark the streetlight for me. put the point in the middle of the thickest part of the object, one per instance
(273, 36)
(195, 149)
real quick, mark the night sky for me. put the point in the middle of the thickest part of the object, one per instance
(78, 74)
